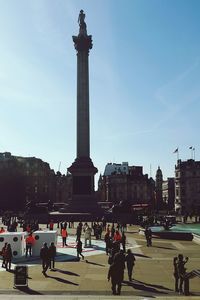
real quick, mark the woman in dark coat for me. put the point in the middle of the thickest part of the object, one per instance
(8, 257)
(130, 262)
(116, 273)
(52, 255)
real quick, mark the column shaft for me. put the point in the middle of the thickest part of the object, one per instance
(83, 130)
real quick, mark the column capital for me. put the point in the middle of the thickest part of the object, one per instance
(82, 42)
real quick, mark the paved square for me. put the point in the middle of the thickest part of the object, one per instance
(153, 271)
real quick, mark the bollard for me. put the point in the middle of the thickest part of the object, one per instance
(186, 287)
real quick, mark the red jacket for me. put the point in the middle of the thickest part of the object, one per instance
(64, 233)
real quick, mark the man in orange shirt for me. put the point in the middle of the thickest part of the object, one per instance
(64, 235)
(30, 240)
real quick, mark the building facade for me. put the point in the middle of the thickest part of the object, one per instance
(187, 186)
(121, 182)
(25, 179)
(168, 193)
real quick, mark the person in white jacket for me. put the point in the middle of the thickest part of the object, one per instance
(88, 233)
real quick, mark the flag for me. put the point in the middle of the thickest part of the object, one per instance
(190, 147)
(175, 151)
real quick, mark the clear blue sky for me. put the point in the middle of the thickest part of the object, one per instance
(144, 80)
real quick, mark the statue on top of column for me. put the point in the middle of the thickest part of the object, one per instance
(82, 24)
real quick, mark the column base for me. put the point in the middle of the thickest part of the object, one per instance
(83, 172)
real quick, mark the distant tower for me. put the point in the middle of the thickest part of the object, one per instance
(159, 181)
(82, 169)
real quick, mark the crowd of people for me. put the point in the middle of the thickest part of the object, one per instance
(119, 258)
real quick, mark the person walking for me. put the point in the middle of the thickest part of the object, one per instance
(181, 271)
(117, 236)
(88, 233)
(79, 248)
(112, 230)
(64, 235)
(8, 257)
(51, 225)
(116, 274)
(176, 275)
(2, 230)
(148, 235)
(44, 255)
(130, 262)
(120, 258)
(123, 241)
(3, 253)
(108, 228)
(52, 255)
(78, 231)
(30, 240)
(108, 241)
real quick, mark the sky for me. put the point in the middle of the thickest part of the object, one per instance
(144, 81)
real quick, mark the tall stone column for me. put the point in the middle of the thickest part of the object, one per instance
(82, 169)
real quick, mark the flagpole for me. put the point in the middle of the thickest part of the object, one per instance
(177, 153)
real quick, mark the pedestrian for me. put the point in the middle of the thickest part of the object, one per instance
(51, 225)
(103, 223)
(94, 226)
(88, 233)
(61, 227)
(130, 262)
(79, 248)
(52, 255)
(120, 258)
(64, 235)
(117, 236)
(78, 232)
(123, 241)
(44, 255)
(8, 257)
(108, 228)
(2, 230)
(114, 249)
(176, 275)
(181, 271)
(112, 231)
(30, 240)
(28, 228)
(3, 253)
(108, 241)
(116, 274)
(100, 230)
(148, 235)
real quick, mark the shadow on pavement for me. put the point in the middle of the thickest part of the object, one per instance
(156, 286)
(141, 255)
(66, 272)
(27, 290)
(138, 285)
(61, 280)
(161, 247)
(93, 263)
